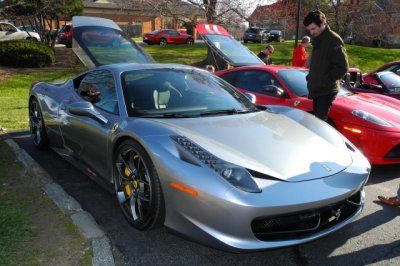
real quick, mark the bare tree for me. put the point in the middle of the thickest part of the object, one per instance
(377, 24)
(43, 15)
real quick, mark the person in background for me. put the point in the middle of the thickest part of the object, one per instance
(265, 55)
(299, 53)
(392, 201)
(328, 63)
(210, 68)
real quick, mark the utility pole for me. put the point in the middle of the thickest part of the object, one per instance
(297, 22)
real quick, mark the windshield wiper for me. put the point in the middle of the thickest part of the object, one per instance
(226, 111)
(166, 115)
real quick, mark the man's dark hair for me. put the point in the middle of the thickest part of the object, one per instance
(316, 17)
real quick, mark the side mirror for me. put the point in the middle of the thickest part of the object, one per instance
(86, 109)
(274, 90)
(251, 97)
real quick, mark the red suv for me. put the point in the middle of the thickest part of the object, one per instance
(65, 35)
(164, 37)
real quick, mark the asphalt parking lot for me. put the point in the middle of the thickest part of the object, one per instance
(373, 238)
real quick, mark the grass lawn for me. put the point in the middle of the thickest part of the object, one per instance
(14, 96)
(14, 91)
(364, 58)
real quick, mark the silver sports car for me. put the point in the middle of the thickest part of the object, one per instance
(182, 148)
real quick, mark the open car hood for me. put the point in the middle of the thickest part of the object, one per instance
(225, 46)
(100, 41)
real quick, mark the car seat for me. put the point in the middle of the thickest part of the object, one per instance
(161, 98)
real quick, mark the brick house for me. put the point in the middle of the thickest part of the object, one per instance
(138, 17)
(380, 25)
(276, 16)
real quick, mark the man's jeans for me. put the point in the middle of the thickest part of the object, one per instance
(322, 104)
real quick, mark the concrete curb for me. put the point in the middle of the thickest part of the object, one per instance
(87, 226)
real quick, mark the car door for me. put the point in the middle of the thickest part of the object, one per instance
(86, 136)
(174, 37)
(263, 85)
(9, 32)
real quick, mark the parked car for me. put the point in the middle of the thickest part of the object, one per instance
(164, 37)
(181, 147)
(254, 34)
(275, 36)
(9, 32)
(65, 35)
(369, 121)
(384, 82)
(26, 28)
(370, 78)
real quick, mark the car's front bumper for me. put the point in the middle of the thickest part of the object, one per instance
(230, 219)
(380, 147)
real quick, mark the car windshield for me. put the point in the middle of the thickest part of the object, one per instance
(232, 51)
(275, 32)
(98, 45)
(170, 92)
(295, 79)
(391, 81)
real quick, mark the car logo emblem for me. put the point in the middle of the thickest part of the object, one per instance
(327, 168)
(114, 127)
(296, 103)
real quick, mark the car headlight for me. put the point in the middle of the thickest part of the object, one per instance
(236, 175)
(371, 118)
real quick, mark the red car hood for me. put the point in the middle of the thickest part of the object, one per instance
(382, 106)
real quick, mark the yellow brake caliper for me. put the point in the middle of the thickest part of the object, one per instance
(127, 187)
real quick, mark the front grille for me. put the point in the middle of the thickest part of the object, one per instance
(306, 223)
(393, 153)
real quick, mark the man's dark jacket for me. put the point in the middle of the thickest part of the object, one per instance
(264, 58)
(328, 64)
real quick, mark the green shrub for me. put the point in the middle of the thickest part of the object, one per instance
(26, 53)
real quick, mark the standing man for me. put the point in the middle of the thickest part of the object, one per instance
(328, 63)
(299, 53)
(265, 55)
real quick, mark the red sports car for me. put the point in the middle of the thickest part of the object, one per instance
(384, 82)
(369, 121)
(391, 66)
(164, 37)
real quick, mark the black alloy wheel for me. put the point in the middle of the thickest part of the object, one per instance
(137, 186)
(36, 125)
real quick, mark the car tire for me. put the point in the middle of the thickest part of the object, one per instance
(37, 126)
(137, 186)
(189, 41)
(163, 42)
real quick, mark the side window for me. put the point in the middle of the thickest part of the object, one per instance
(229, 77)
(98, 87)
(256, 81)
